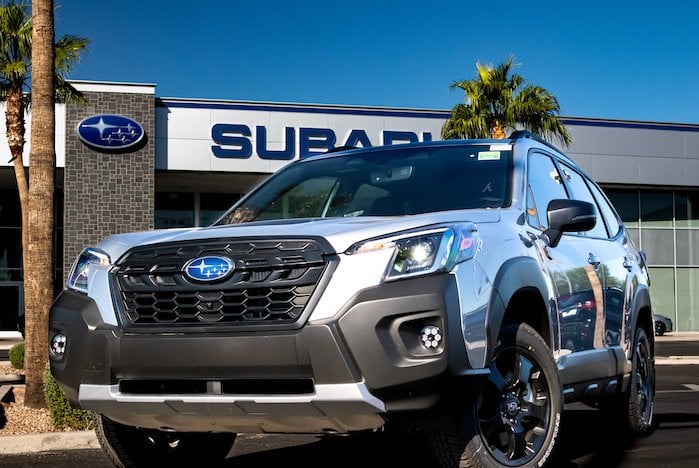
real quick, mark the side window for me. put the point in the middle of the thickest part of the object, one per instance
(608, 213)
(544, 184)
(581, 192)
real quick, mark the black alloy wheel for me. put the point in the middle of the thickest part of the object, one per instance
(642, 392)
(514, 411)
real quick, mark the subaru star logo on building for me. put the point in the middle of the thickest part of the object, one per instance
(208, 268)
(109, 131)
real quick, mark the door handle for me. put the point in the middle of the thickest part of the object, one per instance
(628, 264)
(593, 260)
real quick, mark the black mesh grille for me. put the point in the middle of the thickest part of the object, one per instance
(270, 283)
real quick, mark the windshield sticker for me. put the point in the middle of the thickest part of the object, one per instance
(501, 147)
(489, 155)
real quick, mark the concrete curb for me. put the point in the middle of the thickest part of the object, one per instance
(676, 360)
(29, 443)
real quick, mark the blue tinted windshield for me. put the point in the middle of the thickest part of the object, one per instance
(391, 182)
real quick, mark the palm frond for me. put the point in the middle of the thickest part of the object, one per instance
(15, 39)
(68, 52)
(67, 93)
(15, 54)
(464, 123)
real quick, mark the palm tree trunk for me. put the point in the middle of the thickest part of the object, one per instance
(38, 280)
(14, 119)
(498, 131)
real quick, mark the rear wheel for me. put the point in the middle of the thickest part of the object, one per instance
(128, 446)
(633, 410)
(516, 419)
(640, 398)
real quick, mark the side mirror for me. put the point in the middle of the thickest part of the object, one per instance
(566, 215)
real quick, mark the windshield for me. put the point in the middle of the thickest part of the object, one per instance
(390, 182)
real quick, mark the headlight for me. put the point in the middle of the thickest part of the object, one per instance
(424, 252)
(77, 280)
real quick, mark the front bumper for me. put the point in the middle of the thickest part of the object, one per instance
(343, 374)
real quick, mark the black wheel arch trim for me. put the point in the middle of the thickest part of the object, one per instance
(515, 275)
(641, 300)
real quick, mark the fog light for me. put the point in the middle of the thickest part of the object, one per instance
(430, 337)
(58, 344)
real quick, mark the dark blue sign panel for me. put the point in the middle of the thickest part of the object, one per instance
(110, 131)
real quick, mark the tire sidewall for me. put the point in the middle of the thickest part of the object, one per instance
(637, 423)
(523, 338)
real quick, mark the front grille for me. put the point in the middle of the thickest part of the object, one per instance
(271, 283)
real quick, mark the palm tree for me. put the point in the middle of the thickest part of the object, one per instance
(38, 280)
(50, 63)
(498, 100)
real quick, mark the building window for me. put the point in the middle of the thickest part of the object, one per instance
(174, 210)
(659, 246)
(687, 209)
(213, 205)
(10, 254)
(687, 299)
(656, 209)
(662, 289)
(665, 224)
(626, 204)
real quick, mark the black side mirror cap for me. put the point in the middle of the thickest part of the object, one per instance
(565, 215)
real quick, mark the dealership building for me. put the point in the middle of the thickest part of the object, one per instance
(190, 159)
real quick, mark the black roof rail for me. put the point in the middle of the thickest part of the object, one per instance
(332, 150)
(340, 148)
(517, 134)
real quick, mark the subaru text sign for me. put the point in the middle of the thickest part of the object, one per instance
(237, 140)
(110, 132)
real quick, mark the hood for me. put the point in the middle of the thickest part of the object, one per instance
(341, 233)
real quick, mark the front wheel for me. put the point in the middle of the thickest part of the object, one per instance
(515, 420)
(128, 446)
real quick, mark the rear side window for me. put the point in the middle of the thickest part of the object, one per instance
(582, 192)
(608, 213)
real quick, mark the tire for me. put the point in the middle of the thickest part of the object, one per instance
(128, 446)
(516, 419)
(660, 328)
(632, 412)
(640, 397)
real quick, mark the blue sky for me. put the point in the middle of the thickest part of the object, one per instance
(604, 59)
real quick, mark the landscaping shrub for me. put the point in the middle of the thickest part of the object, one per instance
(16, 354)
(63, 415)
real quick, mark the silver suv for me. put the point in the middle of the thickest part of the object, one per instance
(462, 290)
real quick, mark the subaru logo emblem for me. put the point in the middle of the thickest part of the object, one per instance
(108, 131)
(208, 268)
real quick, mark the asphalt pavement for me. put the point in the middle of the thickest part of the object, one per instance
(69, 440)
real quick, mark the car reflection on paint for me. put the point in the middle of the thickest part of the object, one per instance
(578, 316)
